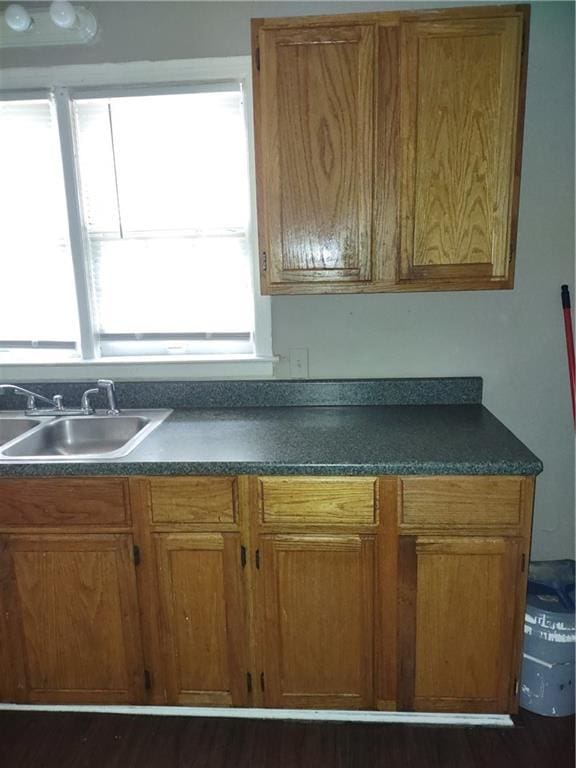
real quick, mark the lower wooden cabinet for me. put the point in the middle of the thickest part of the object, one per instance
(458, 621)
(202, 618)
(317, 614)
(347, 593)
(71, 618)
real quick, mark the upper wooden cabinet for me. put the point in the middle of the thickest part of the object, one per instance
(317, 92)
(388, 149)
(459, 86)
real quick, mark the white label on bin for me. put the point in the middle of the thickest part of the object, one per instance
(551, 637)
(543, 621)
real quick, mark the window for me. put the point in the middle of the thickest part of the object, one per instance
(127, 227)
(38, 314)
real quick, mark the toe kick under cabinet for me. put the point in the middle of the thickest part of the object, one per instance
(394, 593)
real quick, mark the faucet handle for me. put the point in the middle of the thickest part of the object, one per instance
(85, 406)
(30, 397)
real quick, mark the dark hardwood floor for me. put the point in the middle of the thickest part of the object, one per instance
(56, 740)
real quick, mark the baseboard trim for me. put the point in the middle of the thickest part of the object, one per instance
(325, 715)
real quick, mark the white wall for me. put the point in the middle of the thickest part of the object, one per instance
(513, 339)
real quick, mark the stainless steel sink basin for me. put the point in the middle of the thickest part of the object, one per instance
(84, 438)
(11, 427)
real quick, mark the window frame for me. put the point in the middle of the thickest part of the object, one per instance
(67, 82)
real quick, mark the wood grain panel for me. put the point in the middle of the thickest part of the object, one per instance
(72, 602)
(309, 500)
(63, 501)
(148, 590)
(460, 85)
(386, 596)
(519, 598)
(389, 18)
(193, 499)
(315, 128)
(202, 608)
(319, 621)
(406, 622)
(461, 502)
(386, 203)
(464, 622)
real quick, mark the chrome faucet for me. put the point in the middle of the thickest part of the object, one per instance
(108, 386)
(56, 405)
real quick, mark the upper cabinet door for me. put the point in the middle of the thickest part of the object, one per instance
(460, 85)
(314, 115)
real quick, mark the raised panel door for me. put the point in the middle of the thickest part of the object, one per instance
(457, 623)
(314, 125)
(202, 610)
(72, 618)
(318, 620)
(460, 85)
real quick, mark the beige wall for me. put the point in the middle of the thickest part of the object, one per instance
(513, 339)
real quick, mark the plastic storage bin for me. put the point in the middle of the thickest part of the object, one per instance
(549, 639)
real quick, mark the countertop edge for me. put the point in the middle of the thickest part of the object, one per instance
(71, 469)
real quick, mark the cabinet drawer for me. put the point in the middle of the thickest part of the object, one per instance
(64, 501)
(304, 500)
(193, 500)
(452, 502)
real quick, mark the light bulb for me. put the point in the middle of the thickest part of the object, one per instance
(17, 18)
(63, 14)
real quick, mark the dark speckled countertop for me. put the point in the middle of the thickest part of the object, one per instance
(317, 440)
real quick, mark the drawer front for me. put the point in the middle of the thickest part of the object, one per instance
(451, 502)
(64, 501)
(304, 500)
(193, 500)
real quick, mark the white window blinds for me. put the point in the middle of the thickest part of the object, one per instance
(38, 312)
(165, 200)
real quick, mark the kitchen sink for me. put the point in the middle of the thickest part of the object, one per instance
(84, 438)
(11, 427)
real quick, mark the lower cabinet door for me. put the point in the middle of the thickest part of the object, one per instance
(317, 620)
(72, 618)
(202, 617)
(458, 599)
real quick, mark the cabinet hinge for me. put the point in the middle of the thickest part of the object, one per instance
(264, 262)
(243, 556)
(136, 554)
(249, 682)
(147, 680)
(258, 59)
(523, 562)
(262, 684)
(258, 559)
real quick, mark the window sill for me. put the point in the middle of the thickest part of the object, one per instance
(143, 369)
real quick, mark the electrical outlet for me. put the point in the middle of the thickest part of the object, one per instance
(298, 363)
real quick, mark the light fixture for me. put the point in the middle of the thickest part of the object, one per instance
(17, 18)
(63, 14)
(61, 24)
